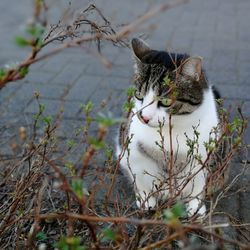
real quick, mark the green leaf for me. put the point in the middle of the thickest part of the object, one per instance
(237, 140)
(71, 143)
(167, 214)
(166, 81)
(77, 186)
(41, 236)
(70, 166)
(70, 243)
(3, 73)
(35, 30)
(107, 120)
(78, 131)
(87, 107)
(178, 210)
(108, 152)
(129, 105)
(97, 144)
(38, 1)
(109, 234)
(130, 91)
(24, 71)
(39, 43)
(21, 41)
(47, 119)
(36, 94)
(31, 29)
(41, 108)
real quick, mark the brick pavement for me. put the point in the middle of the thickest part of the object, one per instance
(217, 30)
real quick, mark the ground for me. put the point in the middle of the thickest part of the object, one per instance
(217, 30)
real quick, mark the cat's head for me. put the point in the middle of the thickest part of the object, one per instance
(166, 83)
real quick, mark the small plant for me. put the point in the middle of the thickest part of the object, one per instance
(174, 213)
(129, 104)
(108, 234)
(70, 243)
(78, 188)
(41, 236)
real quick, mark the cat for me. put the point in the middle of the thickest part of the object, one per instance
(160, 110)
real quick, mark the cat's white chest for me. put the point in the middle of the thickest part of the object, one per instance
(153, 140)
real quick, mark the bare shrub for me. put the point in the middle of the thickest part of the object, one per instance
(48, 199)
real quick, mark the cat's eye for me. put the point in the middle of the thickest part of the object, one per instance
(138, 95)
(165, 102)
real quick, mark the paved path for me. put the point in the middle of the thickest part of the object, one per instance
(217, 30)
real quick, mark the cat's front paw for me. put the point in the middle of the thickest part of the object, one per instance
(194, 207)
(147, 204)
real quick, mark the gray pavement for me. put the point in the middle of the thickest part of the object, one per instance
(217, 30)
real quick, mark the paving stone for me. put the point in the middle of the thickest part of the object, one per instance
(243, 35)
(71, 109)
(52, 107)
(244, 73)
(68, 128)
(122, 191)
(39, 77)
(113, 100)
(8, 130)
(232, 106)
(48, 91)
(189, 19)
(17, 104)
(102, 95)
(198, 48)
(36, 66)
(115, 83)
(228, 232)
(84, 88)
(123, 65)
(99, 70)
(69, 74)
(221, 43)
(244, 201)
(8, 91)
(207, 20)
(223, 63)
(124, 71)
(182, 41)
(55, 63)
(229, 205)
(245, 205)
(240, 93)
(244, 55)
(222, 78)
(209, 36)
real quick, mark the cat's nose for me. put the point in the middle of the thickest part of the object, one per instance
(144, 118)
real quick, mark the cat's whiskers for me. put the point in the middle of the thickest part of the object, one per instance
(138, 111)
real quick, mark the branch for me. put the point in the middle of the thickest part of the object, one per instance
(100, 35)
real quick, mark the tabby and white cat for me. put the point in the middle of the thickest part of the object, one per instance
(190, 106)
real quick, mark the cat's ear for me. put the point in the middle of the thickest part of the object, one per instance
(192, 67)
(140, 49)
